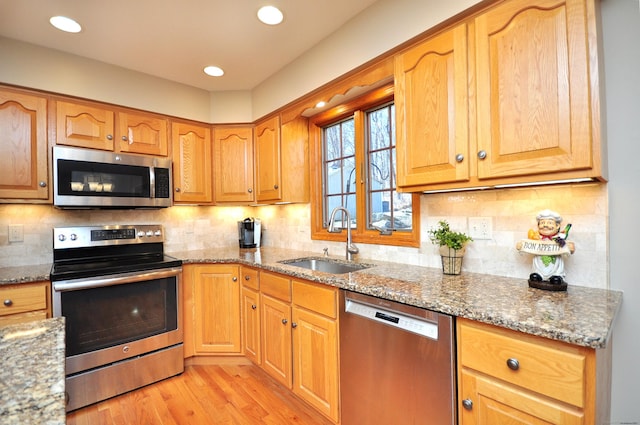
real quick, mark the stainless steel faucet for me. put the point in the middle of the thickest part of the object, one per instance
(351, 248)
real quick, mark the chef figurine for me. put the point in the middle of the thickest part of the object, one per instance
(548, 245)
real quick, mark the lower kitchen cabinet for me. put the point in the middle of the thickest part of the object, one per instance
(212, 309)
(25, 302)
(510, 377)
(315, 346)
(275, 299)
(251, 309)
(300, 339)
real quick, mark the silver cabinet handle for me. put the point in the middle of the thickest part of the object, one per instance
(285, 321)
(43, 184)
(177, 189)
(482, 154)
(247, 277)
(459, 157)
(8, 303)
(124, 138)
(467, 404)
(250, 190)
(294, 325)
(513, 364)
(253, 306)
(275, 186)
(235, 279)
(109, 136)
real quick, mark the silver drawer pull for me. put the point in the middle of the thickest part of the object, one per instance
(8, 303)
(513, 364)
(467, 404)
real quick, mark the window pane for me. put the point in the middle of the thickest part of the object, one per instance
(339, 169)
(386, 208)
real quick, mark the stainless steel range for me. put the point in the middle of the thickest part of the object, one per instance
(120, 296)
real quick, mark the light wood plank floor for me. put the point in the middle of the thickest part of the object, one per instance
(204, 394)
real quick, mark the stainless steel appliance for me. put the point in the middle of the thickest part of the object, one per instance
(120, 296)
(396, 363)
(250, 232)
(87, 178)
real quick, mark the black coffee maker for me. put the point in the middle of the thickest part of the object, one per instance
(249, 231)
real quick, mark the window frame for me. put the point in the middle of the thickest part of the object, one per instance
(357, 108)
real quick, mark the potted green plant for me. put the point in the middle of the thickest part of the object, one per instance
(452, 246)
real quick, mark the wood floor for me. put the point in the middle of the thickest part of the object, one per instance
(204, 394)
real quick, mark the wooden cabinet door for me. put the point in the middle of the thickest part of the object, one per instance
(251, 324)
(484, 401)
(23, 143)
(432, 110)
(268, 165)
(233, 164)
(192, 171)
(217, 309)
(142, 133)
(294, 157)
(533, 89)
(84, 126)
(276, 339)
(315, 361)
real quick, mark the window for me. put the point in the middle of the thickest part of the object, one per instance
(355, 145)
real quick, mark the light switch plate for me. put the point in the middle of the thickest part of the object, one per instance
(16, 233)
(481, 228)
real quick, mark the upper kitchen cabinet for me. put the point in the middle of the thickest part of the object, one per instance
(510, 96)
(23, 142)
(432, 110)
(94, 126)
(192, 171)
(84, 126)
(268, 164)
(142, 133)
(535, 83)
(233, 164)
(282, 160)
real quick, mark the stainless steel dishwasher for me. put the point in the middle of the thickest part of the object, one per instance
(397, 363)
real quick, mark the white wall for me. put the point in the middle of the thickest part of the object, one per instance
(621, 32)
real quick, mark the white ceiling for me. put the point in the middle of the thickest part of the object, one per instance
(176, 39)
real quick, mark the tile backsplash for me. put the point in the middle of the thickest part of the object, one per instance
(511, 211)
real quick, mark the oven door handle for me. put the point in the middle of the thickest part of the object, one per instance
(117, 279)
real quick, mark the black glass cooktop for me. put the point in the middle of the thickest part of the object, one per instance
(103, 266)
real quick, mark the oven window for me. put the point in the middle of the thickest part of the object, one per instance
(111, 315)
(83, 178)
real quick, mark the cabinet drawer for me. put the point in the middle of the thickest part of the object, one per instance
(316, 298)
(250, 278)
(23, 298)
(545, 366)
(276, 286)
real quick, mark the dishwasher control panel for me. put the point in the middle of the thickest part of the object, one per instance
(393, 318)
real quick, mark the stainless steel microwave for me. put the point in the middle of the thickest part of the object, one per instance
(86, 178)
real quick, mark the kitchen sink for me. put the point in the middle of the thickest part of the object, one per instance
(326, 265)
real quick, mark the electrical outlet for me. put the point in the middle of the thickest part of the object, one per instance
(16, 233)
(481, 228)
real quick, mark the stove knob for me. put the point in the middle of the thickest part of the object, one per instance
(73, 237)
(62, 237)
(149, 233)
(141, 234)
(158, 233)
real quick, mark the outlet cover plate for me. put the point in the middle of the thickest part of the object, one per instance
(16, 233)
(481, 228)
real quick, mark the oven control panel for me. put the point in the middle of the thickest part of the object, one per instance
(88, 236)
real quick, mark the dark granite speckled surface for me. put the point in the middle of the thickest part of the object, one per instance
(32, 373)
(581, 315)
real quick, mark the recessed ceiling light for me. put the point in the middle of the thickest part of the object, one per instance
(270, 15)
(65, 24)
(321, 104)
(214, 71)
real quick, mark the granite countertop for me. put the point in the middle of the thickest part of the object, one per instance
(581, 315)
(32, 376)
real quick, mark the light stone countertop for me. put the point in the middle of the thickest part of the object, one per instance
(32, 374)
(581, 315)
